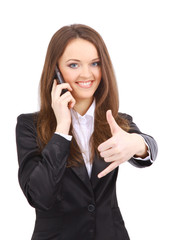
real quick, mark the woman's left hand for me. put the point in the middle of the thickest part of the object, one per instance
(120, 147)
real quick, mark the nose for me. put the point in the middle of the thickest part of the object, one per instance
(85, 72)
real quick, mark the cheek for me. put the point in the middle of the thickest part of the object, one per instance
(98, 75)
(69, 77)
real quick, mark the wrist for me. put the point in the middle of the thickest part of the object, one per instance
(63, 128)
(139, 146)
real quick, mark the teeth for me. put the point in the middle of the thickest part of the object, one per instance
(84, 83)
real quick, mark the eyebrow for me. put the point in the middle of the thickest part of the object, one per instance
(77, 60)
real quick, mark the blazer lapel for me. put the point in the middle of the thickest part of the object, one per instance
(82, 173)
(98, 165)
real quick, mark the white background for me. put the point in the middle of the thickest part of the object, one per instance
(137, 36)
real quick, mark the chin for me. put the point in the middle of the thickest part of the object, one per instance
(84, 97)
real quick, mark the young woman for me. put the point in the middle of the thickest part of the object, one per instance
(69, 152)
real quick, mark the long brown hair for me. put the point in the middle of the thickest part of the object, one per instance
(106, 95)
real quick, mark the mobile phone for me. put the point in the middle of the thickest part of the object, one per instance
(60, 79)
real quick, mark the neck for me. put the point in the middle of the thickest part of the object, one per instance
(82, 106)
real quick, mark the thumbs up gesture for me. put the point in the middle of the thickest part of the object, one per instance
(120, 147)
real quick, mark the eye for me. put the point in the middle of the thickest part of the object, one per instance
(73, 65)
(96, 64)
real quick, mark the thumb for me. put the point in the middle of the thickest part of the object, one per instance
(114, 127)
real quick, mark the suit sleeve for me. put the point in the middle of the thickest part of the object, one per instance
(148, 139)
(40, 173)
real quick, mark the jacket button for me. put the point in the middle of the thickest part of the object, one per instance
(91, 208)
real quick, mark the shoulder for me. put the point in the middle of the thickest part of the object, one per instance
(125, 116)
(27, 120)
(126, 122)
(28, 117)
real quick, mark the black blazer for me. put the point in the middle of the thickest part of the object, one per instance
(69, 205)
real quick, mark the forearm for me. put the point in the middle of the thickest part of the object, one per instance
(40, 174)
(45, 179)
(152, 150)
(150, 141)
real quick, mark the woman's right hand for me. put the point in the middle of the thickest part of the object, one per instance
(61, 105)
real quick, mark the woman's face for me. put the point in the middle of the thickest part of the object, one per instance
(80, 67)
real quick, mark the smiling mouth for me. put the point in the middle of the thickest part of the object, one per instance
(86, 84)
